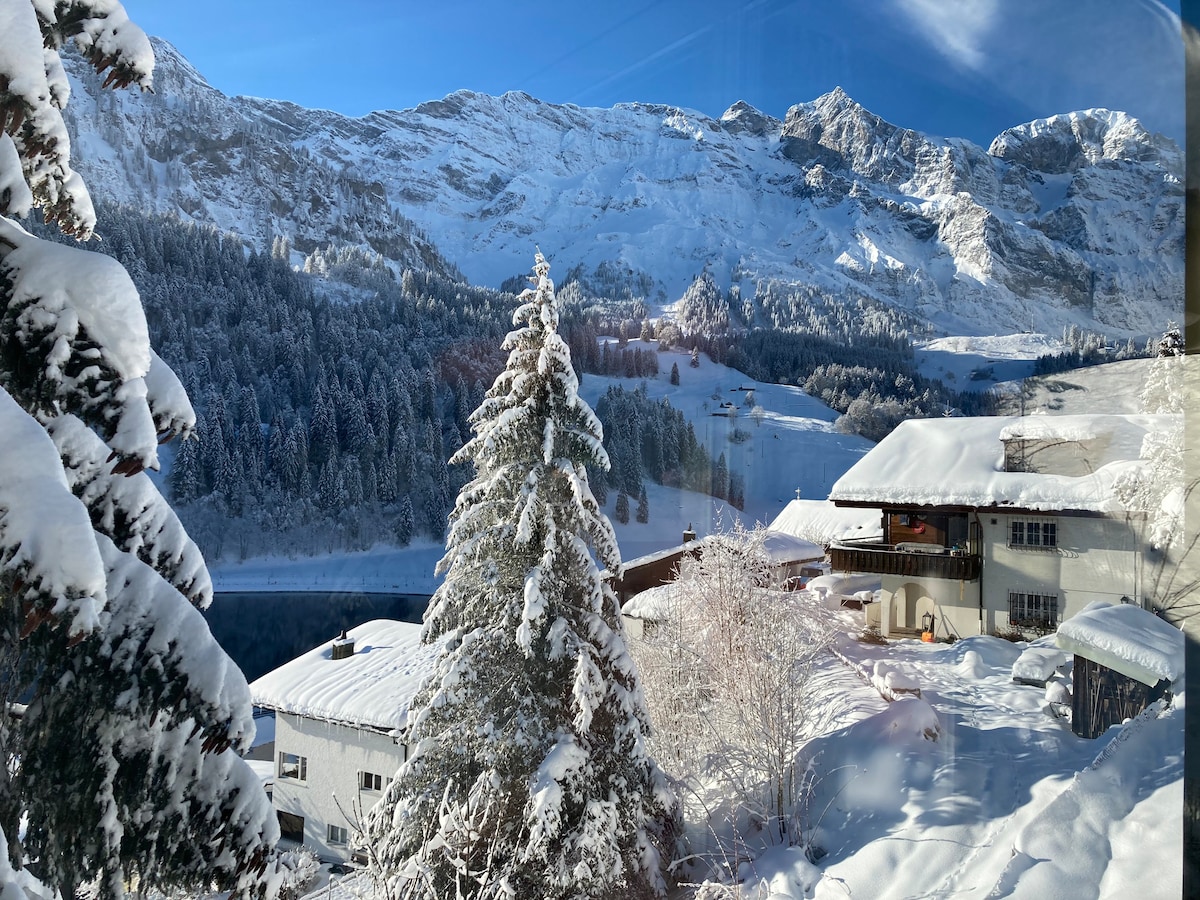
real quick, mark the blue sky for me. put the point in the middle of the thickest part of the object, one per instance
(966, 68)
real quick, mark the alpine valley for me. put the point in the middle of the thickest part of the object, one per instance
(1072, 220)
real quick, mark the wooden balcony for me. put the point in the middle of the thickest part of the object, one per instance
(886, 559)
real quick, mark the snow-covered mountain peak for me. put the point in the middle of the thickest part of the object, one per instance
(172, 72)
(463, 101)
(1065, 143)
(839, 133)
(744, 118)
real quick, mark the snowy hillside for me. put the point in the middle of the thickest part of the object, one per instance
(792, 445)
(978, 363)
(1110, 389)
(1075, 219)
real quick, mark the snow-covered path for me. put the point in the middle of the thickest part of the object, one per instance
(1006, 803)
(998, 764)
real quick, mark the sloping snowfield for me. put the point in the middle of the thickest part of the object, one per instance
(792, 446)
(1005, 802)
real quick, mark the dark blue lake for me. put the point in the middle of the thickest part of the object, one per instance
(263, 630)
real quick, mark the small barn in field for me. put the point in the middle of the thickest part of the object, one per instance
(1125, 659)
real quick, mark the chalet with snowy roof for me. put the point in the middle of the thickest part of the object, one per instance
(646, 590)
(643, 610)
(822, 522)
(652, 569)
(998, 523)
(341, 716)
(1125, 659)
(788, 555)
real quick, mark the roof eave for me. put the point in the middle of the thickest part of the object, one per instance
(331, 720)
(999, 508)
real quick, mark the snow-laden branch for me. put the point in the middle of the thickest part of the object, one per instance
(47, 546)
(130, 511)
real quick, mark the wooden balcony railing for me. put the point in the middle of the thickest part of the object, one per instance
(885, 559)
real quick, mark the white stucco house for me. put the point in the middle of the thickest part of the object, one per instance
(341, 712)
(999, 523)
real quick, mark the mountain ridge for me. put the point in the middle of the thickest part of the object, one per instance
(1073, 219)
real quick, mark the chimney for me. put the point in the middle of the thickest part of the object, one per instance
(688, 534)
(343, 647)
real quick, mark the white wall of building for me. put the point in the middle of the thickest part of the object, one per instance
(953, 604)
(335, 755)
(1096, 558)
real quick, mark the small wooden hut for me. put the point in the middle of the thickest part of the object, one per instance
(1125, 659)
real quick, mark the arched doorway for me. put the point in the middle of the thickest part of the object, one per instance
(910, 601)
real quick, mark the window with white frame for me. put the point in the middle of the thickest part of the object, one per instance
(1033, 534)
(338, 835)
(293, 766)
(370, 781)
(1030, 610)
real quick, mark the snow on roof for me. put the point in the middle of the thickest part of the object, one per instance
(823, 522)
(781, 548)
(1037, 664)
(786, 548)
(844, 584)
(658, 555)
(1125, 638)
(653, 603)
(960, 462)
(1049, 428)
(373, 687)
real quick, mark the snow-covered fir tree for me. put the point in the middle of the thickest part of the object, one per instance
(531, 776)
(622, 508)
(124, 765)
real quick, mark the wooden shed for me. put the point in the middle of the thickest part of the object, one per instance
(1125, 659)
(653, 569)
(787, 555)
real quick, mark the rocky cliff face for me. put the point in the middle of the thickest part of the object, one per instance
(1073, 219)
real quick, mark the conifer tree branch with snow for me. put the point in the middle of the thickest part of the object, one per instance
(531, 775)
(123, 763)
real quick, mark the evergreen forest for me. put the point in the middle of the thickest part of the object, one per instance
(331, 389)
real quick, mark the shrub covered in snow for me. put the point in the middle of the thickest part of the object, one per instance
(296, 870)
(727, 672)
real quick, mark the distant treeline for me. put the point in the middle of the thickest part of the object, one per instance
(1088, 348)
(329, 399)
(326, 409)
